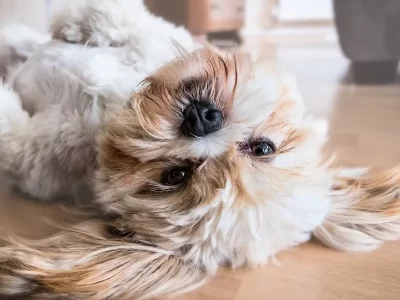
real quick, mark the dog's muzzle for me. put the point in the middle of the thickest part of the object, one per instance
(201, 118)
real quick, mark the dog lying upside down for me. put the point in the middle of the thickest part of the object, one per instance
(204, 159)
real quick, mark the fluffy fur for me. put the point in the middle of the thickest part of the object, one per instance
(103, 114)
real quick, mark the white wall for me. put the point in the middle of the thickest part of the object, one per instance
(299, 10)
(32, 13)
(257, 15)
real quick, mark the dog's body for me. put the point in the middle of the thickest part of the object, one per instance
(209, 162)
(66, 87)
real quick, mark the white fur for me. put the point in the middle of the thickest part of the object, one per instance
(16, 44)
(66, 87)
(12, 117)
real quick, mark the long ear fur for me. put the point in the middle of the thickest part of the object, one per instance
(365, 211)
(83, 263)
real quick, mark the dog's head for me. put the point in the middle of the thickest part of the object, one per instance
(214, 152)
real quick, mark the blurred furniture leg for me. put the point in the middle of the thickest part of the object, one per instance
(374, 72)
(368, 35)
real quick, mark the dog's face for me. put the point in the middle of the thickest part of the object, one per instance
(213, 150)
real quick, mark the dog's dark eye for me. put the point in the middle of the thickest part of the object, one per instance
(174, 176)
(262, 148)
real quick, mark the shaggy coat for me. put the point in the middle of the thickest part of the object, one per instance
(98, 109)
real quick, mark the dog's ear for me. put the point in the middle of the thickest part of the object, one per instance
(365, 210)
(86, 263)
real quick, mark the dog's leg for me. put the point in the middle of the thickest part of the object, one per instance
(88, 262)
(365, 211)
(12, 117)
(117, 23)
(17, 43)
(49, 154)
(97, 22)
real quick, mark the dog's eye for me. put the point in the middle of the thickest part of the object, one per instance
(174, 176)
(262, 148)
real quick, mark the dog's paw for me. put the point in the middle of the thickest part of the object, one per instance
(72, 33)
(80, 34)
(85, 34)
(77, 34)
(97, 23)
(12, 116)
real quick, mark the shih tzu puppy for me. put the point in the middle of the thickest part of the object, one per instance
(204, 159)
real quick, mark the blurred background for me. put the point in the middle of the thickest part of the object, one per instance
(364, 30)
(344, 54)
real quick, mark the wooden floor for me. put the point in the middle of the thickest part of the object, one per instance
(365, 126)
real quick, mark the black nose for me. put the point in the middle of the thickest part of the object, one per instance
(200, 118)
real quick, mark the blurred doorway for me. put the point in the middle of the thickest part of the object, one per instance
(306, 13)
